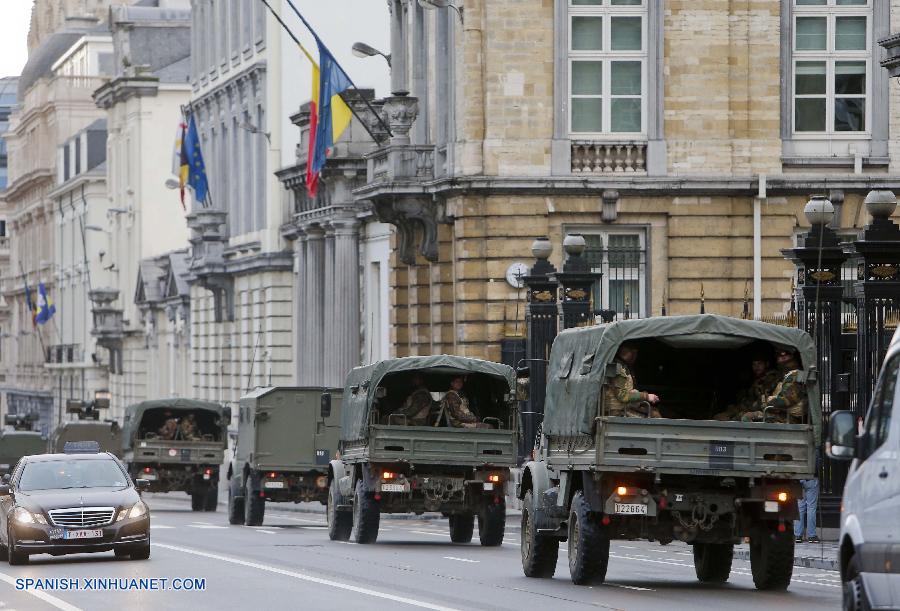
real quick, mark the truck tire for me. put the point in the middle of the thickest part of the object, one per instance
(340, 523)
(197, 500)
(254, 507)
(712, 561)
(539, 552)
(211, 499)
(492, 524)
(366, 515)
(772, 559)
(588, 548)
(235, 509)
(461, 527)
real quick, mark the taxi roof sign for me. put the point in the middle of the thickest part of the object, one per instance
(81, 447)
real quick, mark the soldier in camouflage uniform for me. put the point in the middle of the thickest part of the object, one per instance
(418, 405)
(621, 398)
(788, 400)
(455, 405)
(751, 399)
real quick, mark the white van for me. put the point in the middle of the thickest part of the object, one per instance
(870, 511)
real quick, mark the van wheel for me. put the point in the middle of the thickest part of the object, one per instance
(254, 507)
(539, 552)
(340, 523)
(588, 548)
(855, 596)
(366, 515)
(211, 499)
(461, 527)
(772, 560)
(235, 508)
(492, 524)
(712, 561)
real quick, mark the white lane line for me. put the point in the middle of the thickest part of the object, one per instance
(302, 520)
(265, 527)
(47, 598)
(638, 588)
(205, 526)
(424, 532)
(303, 577)
(268, 532)
(152, 526)
(203, 523)
(461, 559)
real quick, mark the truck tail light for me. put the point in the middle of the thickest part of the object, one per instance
(273, 475)
(621, 490)
(208, 471)
(388, 475)
(782, 497)
(494, 478)
(146, 469)
(322, 481)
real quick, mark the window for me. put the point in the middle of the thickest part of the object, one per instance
(620, 256)
(878, 423)
(832, 67)
(607, 66)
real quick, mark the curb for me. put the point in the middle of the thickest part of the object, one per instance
(808, 562)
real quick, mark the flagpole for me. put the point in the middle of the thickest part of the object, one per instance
(319, 41)
(33, 324)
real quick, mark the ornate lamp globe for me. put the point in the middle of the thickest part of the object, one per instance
(542, 248)
(819, 210)
(881, 204)
(574, 244)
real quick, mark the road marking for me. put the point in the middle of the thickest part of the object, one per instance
(268, 532)
(423, 532)
(265, 527)
(47, 598)
(205, 526)
(302, 519)
(462, 559)
(152, 526)
(622, 585)
(303, 577)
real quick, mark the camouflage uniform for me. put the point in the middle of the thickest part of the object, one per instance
(788, 400)
(188, 429)
(168, 429)
(751, 399)
(455, 405)
(622, 399)
(416, 408)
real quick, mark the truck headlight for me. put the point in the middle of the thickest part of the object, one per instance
(23, 516)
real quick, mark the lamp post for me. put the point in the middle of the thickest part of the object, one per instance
(576, 281)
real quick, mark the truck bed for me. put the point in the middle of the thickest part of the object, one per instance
(161, 451)
(690, 447)
(434, 445)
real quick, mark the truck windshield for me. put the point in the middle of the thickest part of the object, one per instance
(70, 473)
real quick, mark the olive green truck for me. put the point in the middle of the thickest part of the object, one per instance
(388, 466)
(685, 476)
(286, 439)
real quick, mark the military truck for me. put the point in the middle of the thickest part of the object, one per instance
(88, 427)
(596, 477)
(388, 466)
(286, 438)
(19, 442)
(157, 449)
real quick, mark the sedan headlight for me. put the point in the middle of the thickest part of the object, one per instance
(137, 510)
(23, 516)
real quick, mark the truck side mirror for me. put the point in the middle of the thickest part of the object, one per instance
(325, 411)
(380, 392)
(523, 372)
(842, 435)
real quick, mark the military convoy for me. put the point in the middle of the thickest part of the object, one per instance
(19, 442)
(88, 427)
(389, 465)
(178, 445)
(286, 438)
(684, 477)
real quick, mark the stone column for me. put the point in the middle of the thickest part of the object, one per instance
(399, 78)
(314, 344)
(332, 302)
(301, 359)
(346, 329)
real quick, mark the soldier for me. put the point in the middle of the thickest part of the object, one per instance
(188, 428)
(455, 405)
(621, 397)
(787, 402)
(169, 427)
(750, 399)
(418, 405)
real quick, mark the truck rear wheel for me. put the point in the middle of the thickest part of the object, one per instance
(461, 527)
(366, 515)
(712, 561)
(772, 559)
(539, 552)
(197, 500)
(211, 500)
(340, 523)
(254, 507)
(588, 548)
(235, 508)
(492, 524)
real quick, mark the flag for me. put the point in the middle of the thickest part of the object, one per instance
(30, 304)
(45, 308)
(179, 168)
(193, 171)
(332, 115)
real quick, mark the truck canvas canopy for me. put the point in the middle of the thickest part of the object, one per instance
(362, 382)
(693, 352)
(209, 416)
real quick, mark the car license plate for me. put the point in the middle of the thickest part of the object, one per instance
(393, 488)
(631, 509)
(274, 485)
(150, 477)
(84, 534)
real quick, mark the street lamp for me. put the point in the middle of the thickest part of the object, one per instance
(433, 4)
(96, 228)
(361, 49)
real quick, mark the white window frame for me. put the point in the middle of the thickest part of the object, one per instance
(830, 56)
(635, 273)
(607, 57)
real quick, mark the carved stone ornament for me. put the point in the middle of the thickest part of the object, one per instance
(400, 113)
(407, 214)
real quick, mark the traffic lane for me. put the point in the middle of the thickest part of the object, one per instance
(415, 558)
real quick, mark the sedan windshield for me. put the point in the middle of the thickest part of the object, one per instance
(72, 473)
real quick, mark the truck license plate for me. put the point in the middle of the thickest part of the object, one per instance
(631, 509)
(84, 534)
(393, 488)
(150, 477)
(274, 485)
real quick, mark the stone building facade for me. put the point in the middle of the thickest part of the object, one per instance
(681, 138)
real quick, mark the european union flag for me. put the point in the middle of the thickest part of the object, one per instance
(192, 157)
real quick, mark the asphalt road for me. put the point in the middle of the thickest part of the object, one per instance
(289, 563)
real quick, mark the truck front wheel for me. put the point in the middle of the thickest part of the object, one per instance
(492, 524)
(461, 527)
(366, 515)
(539, 552)
(340, 523)
(254, 507)
(772, 559)
(712, 561)
(588, 548)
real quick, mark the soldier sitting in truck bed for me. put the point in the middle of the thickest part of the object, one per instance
(788, 402)
(418, 408)
(750, 399)
(622, 399)
(455, 410)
